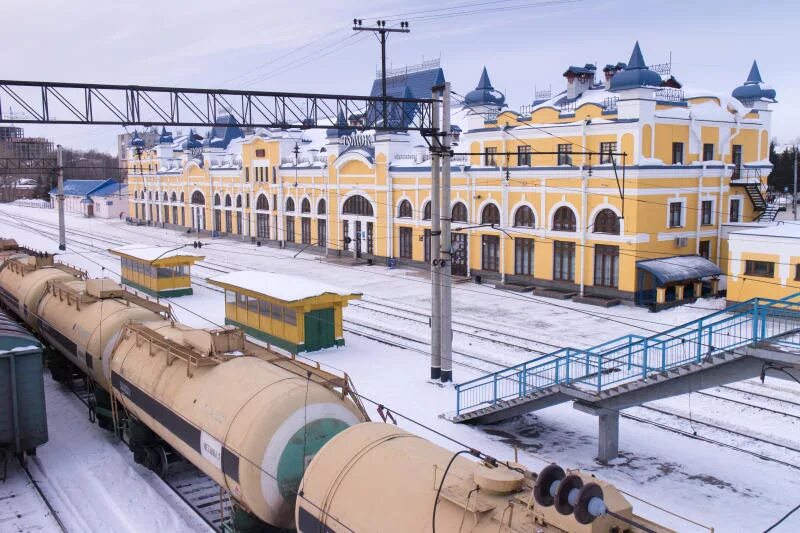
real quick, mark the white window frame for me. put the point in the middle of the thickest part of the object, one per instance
(681, 201)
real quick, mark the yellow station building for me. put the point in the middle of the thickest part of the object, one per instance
(541, 196)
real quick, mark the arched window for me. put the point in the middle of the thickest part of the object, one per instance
(405, 210)
(173, 197)
(198, 198)
(305, 206)
(135, 195)
(606, 221)
(217, 200)
(262, 203)
(238, 200)
(182, 198)
(247, 201)
(321, 207)
(564, 219)
(426, 211)
(227, 200)
(289, 204)
(164, 196)
(459, 212)
(524, 218)
(357, 205)
(490, 215)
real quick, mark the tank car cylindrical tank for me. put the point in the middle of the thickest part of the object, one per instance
(376, 477)
(251, 425)
(22, 285)
(84, 324)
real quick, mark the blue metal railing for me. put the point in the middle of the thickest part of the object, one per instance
(633, 357)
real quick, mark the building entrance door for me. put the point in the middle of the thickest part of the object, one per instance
(358, 239)
(459, 254)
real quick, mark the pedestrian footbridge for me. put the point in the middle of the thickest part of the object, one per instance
(741, 342)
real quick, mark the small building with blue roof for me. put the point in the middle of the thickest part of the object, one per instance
(94, 198)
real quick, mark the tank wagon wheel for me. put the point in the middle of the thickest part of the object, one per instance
(151, 457)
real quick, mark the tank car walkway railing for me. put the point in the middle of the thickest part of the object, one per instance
(633, 358)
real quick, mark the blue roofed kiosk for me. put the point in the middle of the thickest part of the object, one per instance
(160, 271)
(295, 314)
(670, 281)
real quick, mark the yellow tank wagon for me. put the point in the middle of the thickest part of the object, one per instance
(250, 419)
(377, 477)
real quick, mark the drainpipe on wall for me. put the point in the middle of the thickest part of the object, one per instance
(584, 207)
(699, 209)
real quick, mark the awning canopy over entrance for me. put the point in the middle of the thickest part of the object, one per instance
(680, 268)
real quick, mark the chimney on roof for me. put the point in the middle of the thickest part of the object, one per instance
(579, 79)
(609, 71)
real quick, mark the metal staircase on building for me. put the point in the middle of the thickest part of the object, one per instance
(715, 349)
(631, 363)
(750, 181)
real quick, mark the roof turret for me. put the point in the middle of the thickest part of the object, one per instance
(165, 137)
(484, 94)
(192, 141)
(754, 89)
(635, 74)
(136, 141)
(341, 128)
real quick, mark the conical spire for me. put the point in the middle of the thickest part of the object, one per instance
(484, 83)
(637, 60)
(755, 75)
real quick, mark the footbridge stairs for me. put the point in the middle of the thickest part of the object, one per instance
(741, 342)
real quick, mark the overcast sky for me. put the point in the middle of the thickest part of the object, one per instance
(257, 44)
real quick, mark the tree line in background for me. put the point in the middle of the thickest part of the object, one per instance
(781, 178)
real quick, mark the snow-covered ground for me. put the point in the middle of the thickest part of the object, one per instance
(90, 479)
(718, 486)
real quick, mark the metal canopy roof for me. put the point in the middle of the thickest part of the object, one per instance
(679, 268)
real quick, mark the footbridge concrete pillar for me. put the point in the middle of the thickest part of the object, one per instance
(608, 430)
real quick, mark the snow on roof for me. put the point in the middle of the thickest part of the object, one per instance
(151, 253)
(679, 268)
(785, 230)
(280, 286)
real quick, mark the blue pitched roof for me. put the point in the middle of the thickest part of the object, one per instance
(419, 83)
(408, 85)
(88, 187)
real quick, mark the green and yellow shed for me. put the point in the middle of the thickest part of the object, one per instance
(292, 313)
(161, 271)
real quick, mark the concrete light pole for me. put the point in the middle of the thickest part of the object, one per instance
(62, 232)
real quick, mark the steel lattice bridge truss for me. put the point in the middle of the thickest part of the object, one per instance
(37, 102)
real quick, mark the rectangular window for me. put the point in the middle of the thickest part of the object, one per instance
(797, 272)
(246, 173)
(708, 152)
(606, 151)
(563, 261)
(675, 212)
(523, 257)
(274, 175)
(706, 212)
(405, 242)
(276, 312)
(736, 157)
(261, 152)
(523, 156)
(677, 153)
(564, 154)
(252, 304)
(705, 249)
(241, 301)
(305, 230)
(289, 229)
(762, 269)
(489, 156)
(322, 233)
(734, 210)
(290, 316)
(606, 266)
(346, 230)
(490, 256)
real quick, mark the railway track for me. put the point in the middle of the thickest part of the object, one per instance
(760, 395)
(42, 496)
(740, 402)
(714, 441)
